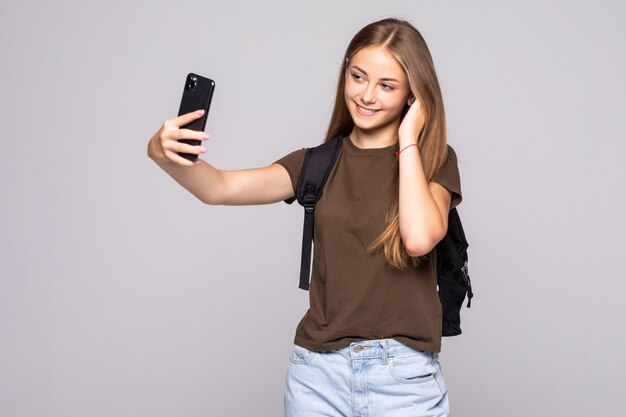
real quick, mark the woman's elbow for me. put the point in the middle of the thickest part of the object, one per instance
(419, 245)
(415, 247)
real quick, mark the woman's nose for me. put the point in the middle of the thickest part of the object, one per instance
(369, 94)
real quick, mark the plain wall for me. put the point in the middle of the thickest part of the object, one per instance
(121, 294)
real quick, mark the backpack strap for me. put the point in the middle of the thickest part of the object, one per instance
(318, 162)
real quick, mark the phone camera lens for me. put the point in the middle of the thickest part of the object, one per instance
(191, 83)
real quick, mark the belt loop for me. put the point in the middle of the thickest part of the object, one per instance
(384, 343)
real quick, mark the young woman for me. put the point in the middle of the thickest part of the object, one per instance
(369, 343)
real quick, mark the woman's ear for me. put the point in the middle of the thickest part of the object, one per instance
(410, 101)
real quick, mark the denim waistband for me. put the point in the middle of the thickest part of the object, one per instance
(381, 348)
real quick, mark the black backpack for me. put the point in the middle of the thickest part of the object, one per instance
(453, 279)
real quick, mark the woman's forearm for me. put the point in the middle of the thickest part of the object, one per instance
(420, 219)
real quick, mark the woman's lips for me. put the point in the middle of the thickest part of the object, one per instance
(365, 112)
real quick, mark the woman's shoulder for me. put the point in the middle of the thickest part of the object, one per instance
(293, 162)
(293, 157)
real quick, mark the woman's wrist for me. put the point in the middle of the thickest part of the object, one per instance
(407, 147)
(154, 152)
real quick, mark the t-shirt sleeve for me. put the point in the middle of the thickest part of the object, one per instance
(448, 176)
(293, 162)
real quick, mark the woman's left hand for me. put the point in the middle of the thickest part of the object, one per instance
(412, 124)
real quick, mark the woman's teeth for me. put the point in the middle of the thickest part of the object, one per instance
(364, 110)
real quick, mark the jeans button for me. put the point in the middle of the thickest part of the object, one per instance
(357, 348)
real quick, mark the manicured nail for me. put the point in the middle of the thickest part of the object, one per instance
(203, 149)
(200, 112)
(206, 136)
(197, 162)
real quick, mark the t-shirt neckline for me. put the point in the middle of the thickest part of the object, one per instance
(380, 152)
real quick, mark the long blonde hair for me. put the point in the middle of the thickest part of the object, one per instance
(408, 47)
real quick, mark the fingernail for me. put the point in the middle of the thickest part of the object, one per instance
(203, 149)
(197, 162)
(205, 136)
(200, 112)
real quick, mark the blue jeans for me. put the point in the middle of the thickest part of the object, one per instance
(373, 378)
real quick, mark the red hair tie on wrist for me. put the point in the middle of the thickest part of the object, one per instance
(407, 146)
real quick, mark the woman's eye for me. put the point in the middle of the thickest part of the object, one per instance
(386, 87)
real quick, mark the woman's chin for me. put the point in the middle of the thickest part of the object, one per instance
(370, 125)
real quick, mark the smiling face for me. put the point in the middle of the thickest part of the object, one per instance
(376, 90)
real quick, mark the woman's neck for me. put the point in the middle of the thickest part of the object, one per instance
(374, 138)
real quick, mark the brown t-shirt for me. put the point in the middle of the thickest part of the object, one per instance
(354, 295)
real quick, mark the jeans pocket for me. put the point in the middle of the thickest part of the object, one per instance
(300, 355)
(414, 368)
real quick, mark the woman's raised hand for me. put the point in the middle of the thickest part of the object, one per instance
(412, 124)
(164, 143)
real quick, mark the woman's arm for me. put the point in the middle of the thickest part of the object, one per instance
(423, 207)
(210, 185)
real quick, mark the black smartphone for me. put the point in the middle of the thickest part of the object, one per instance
(197, 95)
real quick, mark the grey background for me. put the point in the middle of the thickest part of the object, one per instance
(123, 295)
